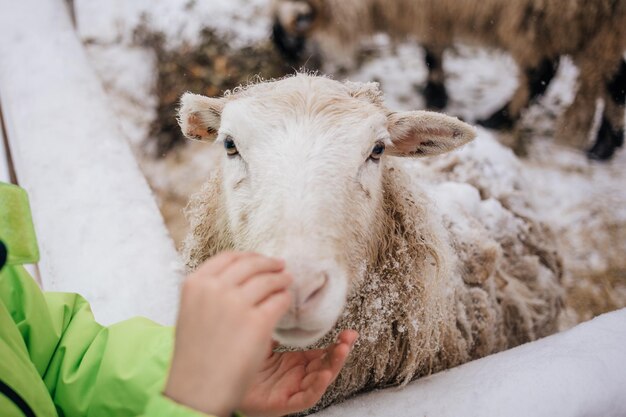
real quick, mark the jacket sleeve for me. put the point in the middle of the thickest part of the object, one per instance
(91, 370)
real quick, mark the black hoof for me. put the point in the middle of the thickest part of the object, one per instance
(607, 143)
(601, 152)
(500, 120)
(436, 96)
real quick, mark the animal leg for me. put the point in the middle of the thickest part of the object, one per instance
(611, 134)
(534, 82)
(435, 92)
(574, 125)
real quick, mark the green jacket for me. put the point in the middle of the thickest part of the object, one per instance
(55, 360)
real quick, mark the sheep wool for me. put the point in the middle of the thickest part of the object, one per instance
(455, 273)
(535, 32)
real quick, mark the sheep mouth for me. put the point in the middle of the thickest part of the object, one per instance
(297, 336)
(297, 332)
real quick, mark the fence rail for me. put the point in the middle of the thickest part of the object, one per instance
(99, 229)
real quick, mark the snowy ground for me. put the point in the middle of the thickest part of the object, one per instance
(583, 202)
(571, 194)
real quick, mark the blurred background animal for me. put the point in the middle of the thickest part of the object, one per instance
(535, 32)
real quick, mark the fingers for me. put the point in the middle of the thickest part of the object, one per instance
(270, 351)
(348, 337)
(338, 354)
(337, 358)
(317, 380)
(322, 371)
(313, 355)
(239, 272)
(314, 386)
(216, 265)
(262, 286)
(274, 307)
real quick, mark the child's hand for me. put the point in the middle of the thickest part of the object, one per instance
(290, 382)
(229, 307)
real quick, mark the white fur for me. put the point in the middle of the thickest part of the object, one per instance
(303, 186)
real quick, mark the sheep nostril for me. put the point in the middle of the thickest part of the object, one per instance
(315, 290)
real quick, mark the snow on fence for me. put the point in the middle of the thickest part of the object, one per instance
(581, 372)
(5, 175)
(99, 228)
(101, 235)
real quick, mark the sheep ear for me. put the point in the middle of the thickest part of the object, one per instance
(423, 133)
(199, 117)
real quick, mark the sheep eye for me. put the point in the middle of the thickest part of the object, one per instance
(231, 148)
(377, 151)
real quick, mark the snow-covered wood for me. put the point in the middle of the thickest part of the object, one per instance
(99, 229)
(4, 160)
(5, 176)
(581, 372)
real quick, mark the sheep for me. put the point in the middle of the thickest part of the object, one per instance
(536, 33)
(313, 171)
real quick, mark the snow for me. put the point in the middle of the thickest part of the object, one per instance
(580, 372)
(99, 229)
(181, 20)
(583, 202)
(572, 194)
(127, 73)
(4, 161)
(61, 124)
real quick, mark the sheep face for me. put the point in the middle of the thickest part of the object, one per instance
(301, 179)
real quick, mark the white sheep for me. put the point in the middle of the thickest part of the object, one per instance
(312, 171)
(536, 33)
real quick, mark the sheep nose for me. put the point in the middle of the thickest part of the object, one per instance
(308, 293)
